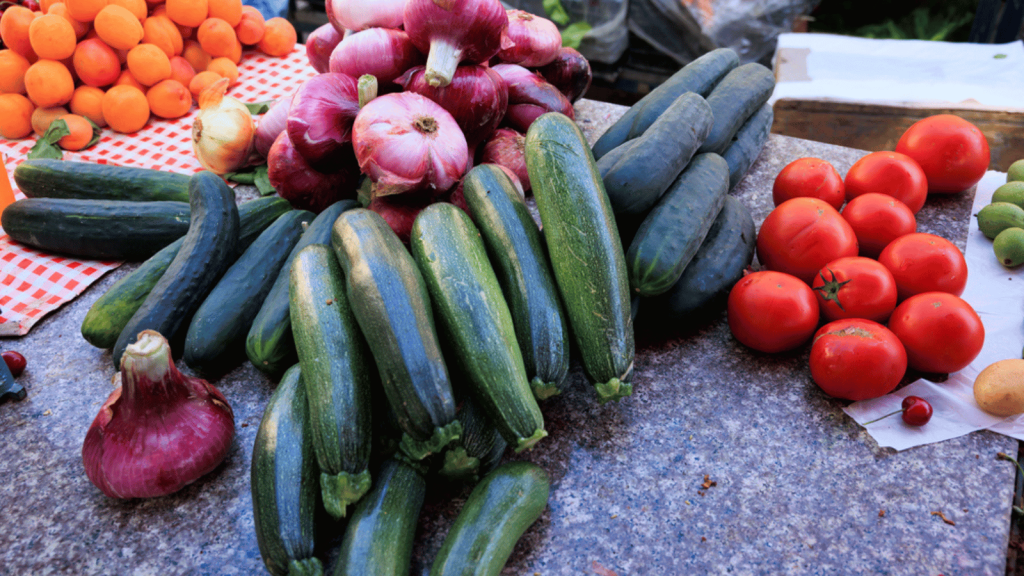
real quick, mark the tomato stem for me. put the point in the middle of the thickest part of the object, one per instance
(883, 417)
(1007, 457)
(830, 290)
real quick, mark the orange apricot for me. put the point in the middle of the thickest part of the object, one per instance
(81, 132)
(125, 109)
(80, 28)
(169, 99)
(217, 37)
(181, 70)
(195, 55)
(149, 64)
(52, 37)
(200, 81)
(14, 25)
(49, 83)
(159, 30)
(15, 116)
(118, 27)
(88, 101)
(188, 12)
(42, 117)
(137, 7)
(250, 28)
(44, 5)
(279, 37)
(225, 67)
(227, 10)
(128, 79)
(85, 10)
(12, 71)
(96, 63)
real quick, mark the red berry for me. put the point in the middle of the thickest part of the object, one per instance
(31, 5)
(15, 362)
(916, 411)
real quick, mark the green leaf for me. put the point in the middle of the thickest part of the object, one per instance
(262, 180)
(256, 108)
(999, 56)
(573, 35)
(556, 12)
(247, 177)
(97, 133)
(46, 146)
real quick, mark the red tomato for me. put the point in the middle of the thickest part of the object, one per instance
(855, 287)
(771, 311)
(877, 220)
(940, 331)
(802, 235)
(923, 262)
(811, 178)
(952, 152)
(889, 173)
(857, 359)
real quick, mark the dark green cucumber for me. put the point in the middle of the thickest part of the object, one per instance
(699, 76)
(48, 178)
(97, 229)
(337, 372)
(496, 514)
(390, 301)
(585, 250)
(747, 143)
(735, 99)
(675, 228)
(215, 342)
(269, 344)
(641, 175)
(110, 313)
(283, 482)
(210, 246)
(517, 251)
(480, 447)
(475, 321)
(379, 536)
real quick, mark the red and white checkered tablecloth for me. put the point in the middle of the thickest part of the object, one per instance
(33, 283)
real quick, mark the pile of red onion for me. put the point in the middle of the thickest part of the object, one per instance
(459, 83)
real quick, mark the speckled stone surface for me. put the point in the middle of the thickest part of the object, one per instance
(798, 488)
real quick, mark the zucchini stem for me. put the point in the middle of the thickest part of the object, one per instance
(340, 490)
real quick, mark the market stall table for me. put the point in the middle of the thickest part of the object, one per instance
(723, 461)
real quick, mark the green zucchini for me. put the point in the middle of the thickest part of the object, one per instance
(97, 229)
(585, 250)
(699, 76)
(390, 302)
(516, 249)
(674, 230)
(379, 536)
(269, 344)
(747, 144)
(475, 321)
(735, 99)
(337, 373)
(496, 514)
(480, 447)
(110, 313)
(48, 178)
(210, 246)
(283, 482)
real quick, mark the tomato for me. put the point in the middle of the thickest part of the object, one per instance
(810, 178)
(877, 220)
(855, 287)
(889, 173)
(771, 311)
(857, 359)
(802, 235)
(940, 331)
(923, 262)
(952, 152)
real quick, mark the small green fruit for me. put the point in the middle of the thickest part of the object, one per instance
(1016, 171)
(999, 216)
(1009, 247)
(1012, 192)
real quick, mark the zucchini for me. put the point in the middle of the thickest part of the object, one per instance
(496, 514)
(699, 76)
(674, 230)
(48, 178)
(269, 344)
(283, 482)
(480, 447)
(475, 321)
(96, 229)
(110, 313)
(337, 372)
(747, 144)
(215, 341)
(210, 246)
(736, 98)
(390, 302)
(516, 249)
(379, 536)
(585, 250)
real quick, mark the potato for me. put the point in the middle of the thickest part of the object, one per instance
(999, 388)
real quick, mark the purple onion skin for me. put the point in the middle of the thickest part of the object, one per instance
(381, 52)
(454, 31)
(329, 8)
(400, 212)
(477, 98)
(272, 123)
(321, 116)
(507, 148)
(305, 187)
(569, 72)
(319, 45)
(529, 96)
(537, 40)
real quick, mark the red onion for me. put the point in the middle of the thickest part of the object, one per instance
(362, 14)
(400, 212)
(529, 96)
(302, 185)
(537, 40)
(160, 430)
(381, 52)
(405, 143)
(570, 73)
(477, 98)
(319, 45)
(272, 123)
(454, 31)
(507, 148)
(329, 9)
(321, 115)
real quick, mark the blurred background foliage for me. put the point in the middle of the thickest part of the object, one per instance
(948, 20)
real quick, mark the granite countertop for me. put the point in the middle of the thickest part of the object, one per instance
(724, 461)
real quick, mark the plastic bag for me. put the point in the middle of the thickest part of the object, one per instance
(608, 37)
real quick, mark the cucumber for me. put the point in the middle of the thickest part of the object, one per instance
(517, 252)
(210, 246)
(110, 313)
(674, 230)
(337, 372)
(269, 344)
(48, 178)
(735, 99)
(390, 302)
(747, 144)
(283, 482)
(475, 321)
(215, 342)
(585, 250)
(480, 447)
(379, 536)
(96, 229)
(496, 514)
(699, 76)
